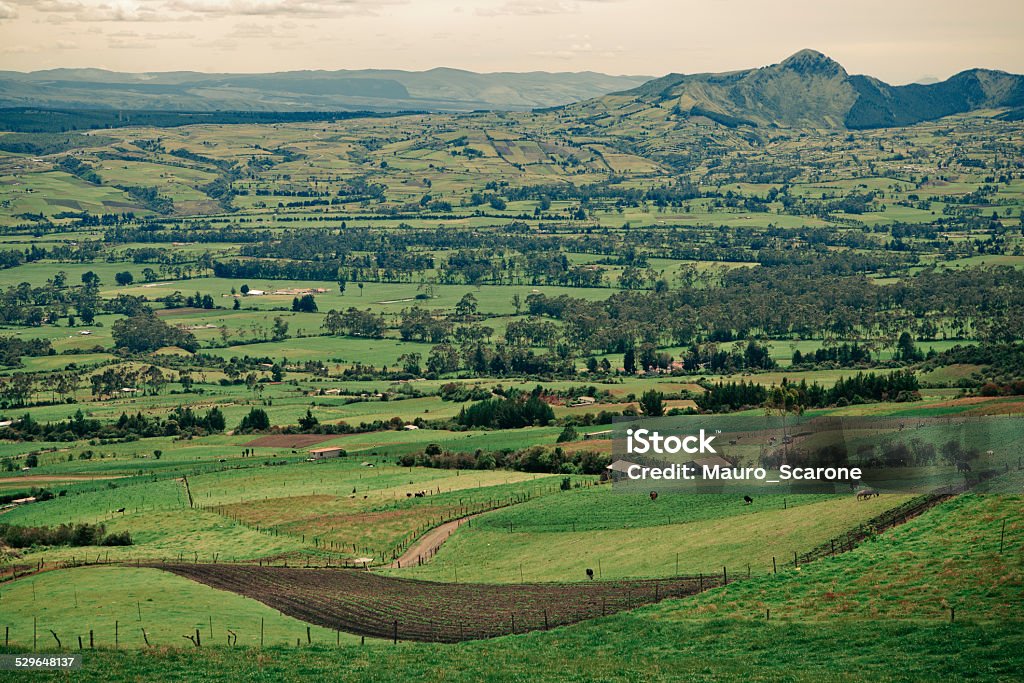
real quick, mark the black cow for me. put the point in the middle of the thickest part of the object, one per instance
(747, 500)
(590, 573)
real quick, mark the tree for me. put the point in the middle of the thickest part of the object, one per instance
(308, 421)
(154, 379)
(124, 278)
(280, 328)
(305, 304)
(467, 306)
(906, 350)
(410, 363)
(244, 290)
(333, 322)
(257, 420)
(443, 358)
(568, 434)
(652, 403)
(629, 361)
(145, 332)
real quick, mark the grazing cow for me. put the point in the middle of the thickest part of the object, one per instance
(590, 573)
(420, 494)
(654, 495)
(747, 500)
(121, 510)
(864, 494)
(963, 467)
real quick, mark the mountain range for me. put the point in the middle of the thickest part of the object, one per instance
(810, 90)
(369, 90)
(806, 90)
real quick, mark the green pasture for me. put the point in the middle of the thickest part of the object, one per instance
(73, 602)
(495, 555)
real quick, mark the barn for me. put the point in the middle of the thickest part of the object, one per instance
(325, 453)
(618, 470)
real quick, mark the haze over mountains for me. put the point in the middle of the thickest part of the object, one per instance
(807, 90)
(371, 90)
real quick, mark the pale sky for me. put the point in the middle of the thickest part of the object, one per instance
(896, 40)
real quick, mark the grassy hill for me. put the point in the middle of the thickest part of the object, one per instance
(948, 557)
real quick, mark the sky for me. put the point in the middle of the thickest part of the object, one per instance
(896, 40)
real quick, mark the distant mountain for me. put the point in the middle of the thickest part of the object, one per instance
(374, 90)
(812, 90)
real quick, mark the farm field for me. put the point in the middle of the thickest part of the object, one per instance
(328, 381)
(821, 606)
(486, 552)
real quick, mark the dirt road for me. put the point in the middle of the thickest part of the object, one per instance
(427, 545)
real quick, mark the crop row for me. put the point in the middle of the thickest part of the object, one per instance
(369, 604)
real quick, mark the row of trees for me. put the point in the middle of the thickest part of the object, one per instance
(900, 386)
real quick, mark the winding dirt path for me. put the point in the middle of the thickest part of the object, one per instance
(427, 545)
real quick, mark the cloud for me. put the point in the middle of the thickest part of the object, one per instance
(63, 11)
(263, 30)
(581, 46)
(276, 7)
(85, 11)
(128, 34)
(528, 8)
